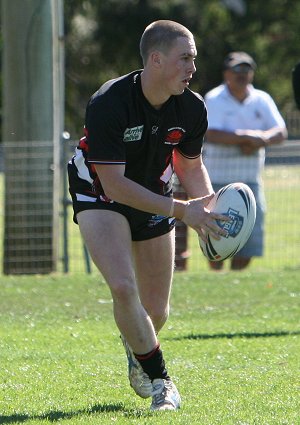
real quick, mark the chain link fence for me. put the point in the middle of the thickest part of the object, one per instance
(282, 187)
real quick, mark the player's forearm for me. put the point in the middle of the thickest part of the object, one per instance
(196, 182)
(192, 175)
(128, 192)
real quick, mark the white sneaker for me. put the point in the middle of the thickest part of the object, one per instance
(139, 380)
(165, 395)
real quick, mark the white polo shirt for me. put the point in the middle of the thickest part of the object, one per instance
(226, 164)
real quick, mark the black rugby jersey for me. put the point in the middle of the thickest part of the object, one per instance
(123, 128)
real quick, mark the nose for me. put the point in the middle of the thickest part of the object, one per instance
(193, 67)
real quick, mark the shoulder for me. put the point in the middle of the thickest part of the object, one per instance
(190, 96)
(192, 101)
(193, 113)
(114, 91)
(260, 95)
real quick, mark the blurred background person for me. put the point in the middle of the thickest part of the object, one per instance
(242, 122)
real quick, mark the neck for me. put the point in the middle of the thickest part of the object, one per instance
(240, 93)
(153, 91)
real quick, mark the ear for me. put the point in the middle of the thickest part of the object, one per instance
(156, 59)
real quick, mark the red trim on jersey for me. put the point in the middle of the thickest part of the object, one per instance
(83, 144)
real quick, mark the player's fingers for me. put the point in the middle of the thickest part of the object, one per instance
(216, 233)
(220, 217)
(211, 228)
(202, 234)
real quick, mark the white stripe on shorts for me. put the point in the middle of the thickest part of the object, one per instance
(85, 198)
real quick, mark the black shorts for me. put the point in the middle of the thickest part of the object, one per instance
(143, 225)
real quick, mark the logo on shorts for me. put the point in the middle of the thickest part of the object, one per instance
(233, 226)
(133, 134)
(174, 135)
(155, 219)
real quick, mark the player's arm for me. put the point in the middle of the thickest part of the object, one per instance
(192, 175)
(195, 180)
(125, 191)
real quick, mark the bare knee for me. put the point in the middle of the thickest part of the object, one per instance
(123, 290)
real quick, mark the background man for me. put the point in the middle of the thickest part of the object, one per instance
(242, 122)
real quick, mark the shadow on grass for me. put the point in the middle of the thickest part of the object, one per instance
(236, 335)
(58, 415)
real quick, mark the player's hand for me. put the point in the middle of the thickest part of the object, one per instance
(203, 221)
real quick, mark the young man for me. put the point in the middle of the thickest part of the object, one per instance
(138, 128)
(242, 122)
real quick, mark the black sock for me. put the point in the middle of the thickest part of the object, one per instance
(153, 364)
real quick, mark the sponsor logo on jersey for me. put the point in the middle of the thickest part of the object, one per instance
(133, 134)
(174, 135)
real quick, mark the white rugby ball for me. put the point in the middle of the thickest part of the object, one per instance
(236, 200)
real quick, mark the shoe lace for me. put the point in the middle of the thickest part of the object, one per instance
(160, 391)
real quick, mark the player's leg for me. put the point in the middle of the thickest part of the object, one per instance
(154, 261)
(108, 238)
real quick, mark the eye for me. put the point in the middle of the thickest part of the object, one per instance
(189, 58)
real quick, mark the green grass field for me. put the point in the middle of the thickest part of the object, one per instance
(232, 342)
(232, 346)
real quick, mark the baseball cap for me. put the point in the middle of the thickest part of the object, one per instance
(238, 58)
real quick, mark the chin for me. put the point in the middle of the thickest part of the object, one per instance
(178, 91)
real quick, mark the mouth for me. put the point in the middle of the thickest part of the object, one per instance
(186, 81)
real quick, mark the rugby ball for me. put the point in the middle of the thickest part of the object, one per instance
(236, 200)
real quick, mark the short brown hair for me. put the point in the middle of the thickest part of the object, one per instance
(160, 35)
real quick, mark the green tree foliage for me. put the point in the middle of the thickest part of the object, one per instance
(102, 42)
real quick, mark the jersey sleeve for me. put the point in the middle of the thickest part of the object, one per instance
(192, 145)
(104, 133)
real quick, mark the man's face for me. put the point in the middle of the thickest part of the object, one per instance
(239, 76)
(178, 65)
